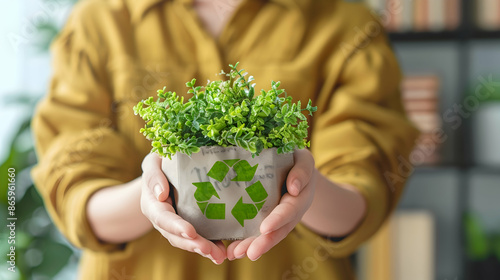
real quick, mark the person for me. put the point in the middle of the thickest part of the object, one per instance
(108, 195)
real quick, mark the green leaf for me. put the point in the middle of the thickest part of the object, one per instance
(224, 113)
(476, 240)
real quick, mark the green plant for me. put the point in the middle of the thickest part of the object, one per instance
(224, 113)
(479, 244)
(476, 239)
(40, 250)
(486, 91)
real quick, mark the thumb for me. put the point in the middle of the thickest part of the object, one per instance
(301, 172)
(154, 178)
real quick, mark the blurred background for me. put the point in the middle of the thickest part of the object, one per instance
(447, 225)
(26, 30)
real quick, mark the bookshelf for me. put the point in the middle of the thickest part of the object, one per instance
(456, 184)
(450, 36)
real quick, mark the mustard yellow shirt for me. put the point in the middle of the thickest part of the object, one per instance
(113, 53)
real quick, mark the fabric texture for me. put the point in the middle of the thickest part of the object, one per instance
(113, 53)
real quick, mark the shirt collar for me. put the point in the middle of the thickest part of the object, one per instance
(139, 7)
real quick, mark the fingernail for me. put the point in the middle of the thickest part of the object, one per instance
(240, 256)
(157, 190)
(212, 259)
(198, 251)
(183, 234)
(267, 232)
(295, 186)
(257, 258)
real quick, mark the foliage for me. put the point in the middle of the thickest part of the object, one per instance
(40, 251)
(224, 113)
(477, 241)
(486, 90)
(480, 245)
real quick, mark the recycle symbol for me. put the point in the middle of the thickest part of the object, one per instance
(241, 211)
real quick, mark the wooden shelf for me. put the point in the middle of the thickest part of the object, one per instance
(447, 167)
(425, 36)
(485, 34)
(451, 36)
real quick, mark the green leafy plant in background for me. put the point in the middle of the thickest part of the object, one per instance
(480, 245)
(486, 91)
(225, 113)
(41, 252)
(483, 250)
(477, 243)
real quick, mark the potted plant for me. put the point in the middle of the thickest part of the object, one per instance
(486, 126)
(483, 250)
(226, 151)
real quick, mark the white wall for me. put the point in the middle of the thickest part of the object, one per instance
(10, 69)
(23, 68)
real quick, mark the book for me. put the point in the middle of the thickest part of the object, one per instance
(407, 16)
(413, 245)
(437, 19)
(394, 13)
(488, 14)
(420, 96)
(453, 14)
(403, 248)
(421, 15)
(377, 5)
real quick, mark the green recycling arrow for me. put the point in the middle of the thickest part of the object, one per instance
(244, 171)
(257, 192)
(204, 191)
(218, 171)
(247, 211)
(241, 211)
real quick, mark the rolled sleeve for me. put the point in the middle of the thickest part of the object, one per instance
(362, 134)
(79, 150)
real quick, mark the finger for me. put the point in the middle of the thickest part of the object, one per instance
(198, 245)
(154, 178)
(221, 254)
(290, 209)
(174, 224)
(163, 215)
(179, 232)
(265, 242)
(151, 160)
(165, 218)
(241, 249)
(301, 172)
(230, 249)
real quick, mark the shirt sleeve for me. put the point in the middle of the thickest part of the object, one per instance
(79, 151)
(360, 134)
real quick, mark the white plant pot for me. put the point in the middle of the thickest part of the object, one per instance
(487, 135)
(224, 192)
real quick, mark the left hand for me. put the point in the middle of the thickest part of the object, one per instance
(293, 205)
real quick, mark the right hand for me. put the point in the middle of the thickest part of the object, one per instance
(156, 205)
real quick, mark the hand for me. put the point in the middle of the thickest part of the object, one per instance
(300, 183)
(157, 207)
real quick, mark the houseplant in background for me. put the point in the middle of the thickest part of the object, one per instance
(226, 151)
(483, 250)
(486, 122)
(40, 250)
